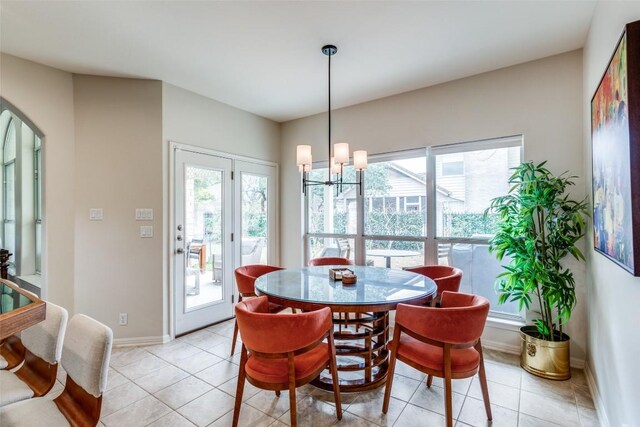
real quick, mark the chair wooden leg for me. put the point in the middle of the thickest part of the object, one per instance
(429, 380)
(239, 387)
(235, 331)
(483, 383)
(292, 392)
(448, 407)
(278, 393)
(235, 337)
(334, 377)
(391, 370)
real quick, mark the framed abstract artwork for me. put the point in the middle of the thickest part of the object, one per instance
(615, 139)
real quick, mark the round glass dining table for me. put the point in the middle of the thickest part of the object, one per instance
(361, 314)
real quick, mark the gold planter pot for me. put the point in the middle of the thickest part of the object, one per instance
(546, 359)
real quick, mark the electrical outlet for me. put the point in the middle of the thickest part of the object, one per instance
(123, 319)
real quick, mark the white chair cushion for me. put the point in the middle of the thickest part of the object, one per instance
(86, 353)
(33, 412)
(12, 389)
(45, 339)
(3, 362)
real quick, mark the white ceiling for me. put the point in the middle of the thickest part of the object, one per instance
(264, 57)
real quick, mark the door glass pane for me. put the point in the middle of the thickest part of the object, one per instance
(394, 253)
(330, 212)
(466, 182)
(203, 214)
(254, 247)
(395, 202)
(330, 247)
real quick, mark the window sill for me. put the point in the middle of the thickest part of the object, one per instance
(32, 279)
(507, 324)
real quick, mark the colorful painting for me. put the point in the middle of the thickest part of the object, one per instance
(613, 189)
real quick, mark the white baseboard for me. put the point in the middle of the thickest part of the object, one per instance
(515, 349)
(597, 398)
(501, 346)
(138, 341)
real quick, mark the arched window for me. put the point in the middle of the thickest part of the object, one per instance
(21, 145)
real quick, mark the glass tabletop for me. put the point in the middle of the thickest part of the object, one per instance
(11, 299)
(375, 286)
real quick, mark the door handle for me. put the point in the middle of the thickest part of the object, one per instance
(180, 250)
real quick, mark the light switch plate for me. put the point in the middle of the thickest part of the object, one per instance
(144, 214)
(146, 231)
(95, 214)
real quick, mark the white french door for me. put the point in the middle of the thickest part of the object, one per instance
(203, 265)
(225, 216)
(255, 204)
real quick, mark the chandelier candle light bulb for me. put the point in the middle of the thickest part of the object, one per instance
(335, 167)
(360, 160)
(303, 155)
(341, 153)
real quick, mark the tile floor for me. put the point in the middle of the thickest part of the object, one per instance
(192, 381)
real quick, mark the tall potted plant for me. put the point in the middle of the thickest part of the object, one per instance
(538, 226)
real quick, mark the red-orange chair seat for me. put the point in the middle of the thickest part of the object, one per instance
(277, 370)
(432, 357)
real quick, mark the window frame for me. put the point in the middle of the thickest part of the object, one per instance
(37, 201)
(5, 166)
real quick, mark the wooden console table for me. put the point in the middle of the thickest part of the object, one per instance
(19, 309)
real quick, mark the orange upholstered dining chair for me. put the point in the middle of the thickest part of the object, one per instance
(442, 342)
(284, 351)
(446, 278)
(245, 281)
(330, 261)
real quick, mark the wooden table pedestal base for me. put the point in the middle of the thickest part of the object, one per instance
(361, 348)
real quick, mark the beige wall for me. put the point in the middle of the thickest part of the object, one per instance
(540, 99)
(118, 160)
(189, 118)
(103, 148)
(613, 294)
(45, 96)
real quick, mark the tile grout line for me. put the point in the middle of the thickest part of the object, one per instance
(177, 364)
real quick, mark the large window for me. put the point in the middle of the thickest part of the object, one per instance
(462, 232)
(21, 198)
(419, 207)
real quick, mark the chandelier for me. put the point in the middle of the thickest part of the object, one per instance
(338, 157)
